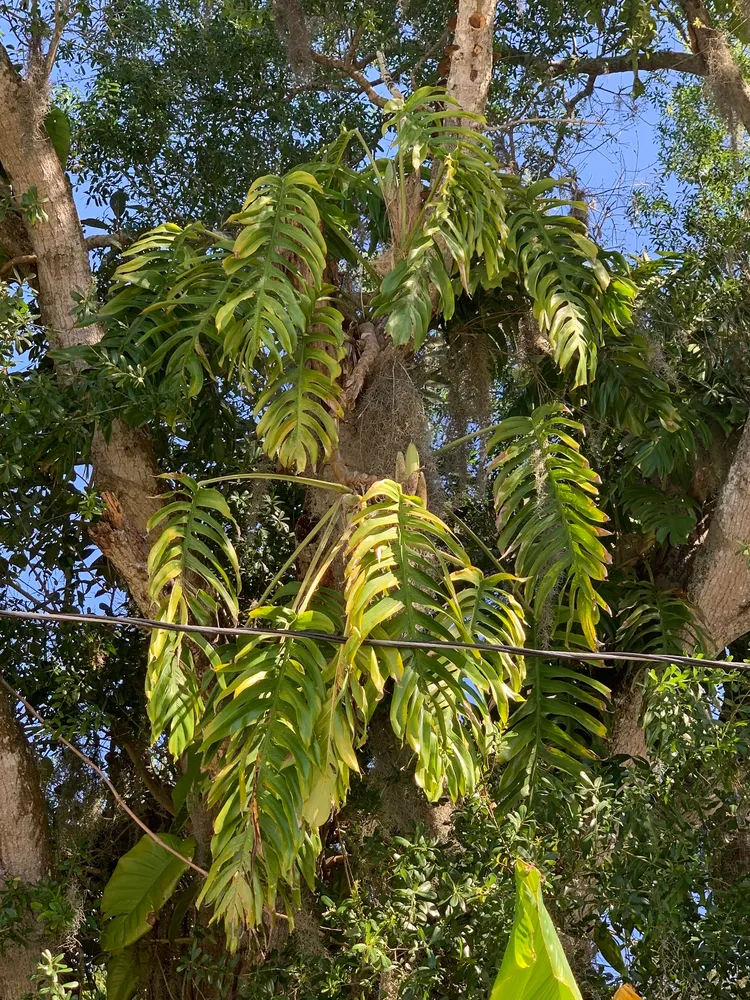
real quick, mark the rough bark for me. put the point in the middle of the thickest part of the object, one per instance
(24, 851)
(471, 63)
(724, 77)
(720, 580)
(626, 736)
(124, 465)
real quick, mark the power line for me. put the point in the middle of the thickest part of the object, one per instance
(486, 647)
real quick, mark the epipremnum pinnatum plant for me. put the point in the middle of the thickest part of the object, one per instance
(272, 728)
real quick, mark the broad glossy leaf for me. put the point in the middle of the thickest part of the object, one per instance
(141, 883)
(534, 966)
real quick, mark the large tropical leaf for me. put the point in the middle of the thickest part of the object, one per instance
(534, 966)
(300, 406)
(193, 550)
(668, 517)
(653, 620)
(545, 493)
(193, 568)
(561, 716)
(166, 295)
(127, 971)
(460, 214)
(277, 258)
(141, 883)
(565, 277)
(407, 574)
(262, 734)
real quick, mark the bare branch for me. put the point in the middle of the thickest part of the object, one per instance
(61, 20)
(649, 62)
(354, 72)
(386, 76)
(25, 260)
(94, 767)
(103, 241)
(586, 91)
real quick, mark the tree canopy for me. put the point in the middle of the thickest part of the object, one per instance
(312, 329)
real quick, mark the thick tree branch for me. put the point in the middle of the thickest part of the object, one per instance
(472, 56)
(726, 81)
(104, 241)
(156, 787)
(678, 62)
(24, 843)
(24, 260)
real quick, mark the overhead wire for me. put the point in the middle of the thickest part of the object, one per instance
(579, 656)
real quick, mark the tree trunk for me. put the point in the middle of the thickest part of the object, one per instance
(471, 63)
(24, 846)
(725, 80)
(720, 580)
(124, 466)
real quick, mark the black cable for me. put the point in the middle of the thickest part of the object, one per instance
(488, 647)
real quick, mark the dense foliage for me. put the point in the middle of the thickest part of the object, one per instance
(530, 460)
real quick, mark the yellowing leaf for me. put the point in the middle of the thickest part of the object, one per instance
(626, 992)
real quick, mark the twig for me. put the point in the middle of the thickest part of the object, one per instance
(518, 122)
(94, 767)
(354, 45)
(586, 91)
(386, 76)
(650, 62)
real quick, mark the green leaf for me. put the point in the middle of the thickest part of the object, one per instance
(553, 728)
(262, 731)
(571, 290)
(300, 406)
(277, 262)
(57, 126)
(461, 215)
(141, 883)
(545, 500)
(534, 966)
(407, 575)
(653, 620)
(118, 203)
(668, 517)
(192, 548)
(127, 971)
